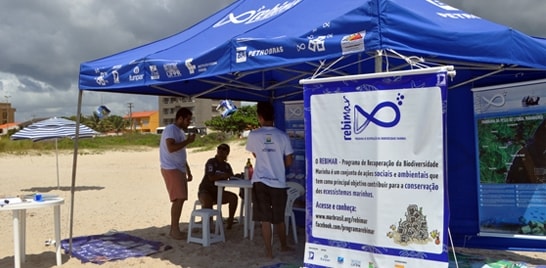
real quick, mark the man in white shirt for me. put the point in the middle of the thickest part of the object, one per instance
(174, 166)
(273, 152)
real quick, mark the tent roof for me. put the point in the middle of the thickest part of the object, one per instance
(259, 49)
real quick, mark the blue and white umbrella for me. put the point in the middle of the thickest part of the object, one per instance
(53, 129)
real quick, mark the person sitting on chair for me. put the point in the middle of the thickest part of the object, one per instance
(217, 168)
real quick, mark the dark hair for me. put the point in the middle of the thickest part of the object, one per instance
(183, 112)
(223, 146)
(266, 110)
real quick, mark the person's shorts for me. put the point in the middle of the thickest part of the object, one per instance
(176, 182)
(268, 203)
(214, 195)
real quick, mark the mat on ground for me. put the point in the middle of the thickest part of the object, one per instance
(111, 246)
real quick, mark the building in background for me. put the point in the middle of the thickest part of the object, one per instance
(202, 109)
(145, 122)
(5, 128)
(7, 113)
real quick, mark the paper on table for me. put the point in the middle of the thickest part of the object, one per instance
(11, 200)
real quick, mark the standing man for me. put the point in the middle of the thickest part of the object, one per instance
(273, 152)
(174, 166)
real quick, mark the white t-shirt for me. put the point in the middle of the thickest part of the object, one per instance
(270, 145)
(174, 160)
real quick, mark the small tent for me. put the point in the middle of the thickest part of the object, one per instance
(255, 50)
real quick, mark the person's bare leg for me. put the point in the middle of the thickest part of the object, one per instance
(206, 200)
(281, 231)
(176, 212)
(267, 234)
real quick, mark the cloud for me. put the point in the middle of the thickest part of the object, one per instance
(43, 43)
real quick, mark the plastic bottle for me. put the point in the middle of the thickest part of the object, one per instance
(248, 170)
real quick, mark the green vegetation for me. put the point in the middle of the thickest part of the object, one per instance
(228, 129)
(128, 141)
(244, 119)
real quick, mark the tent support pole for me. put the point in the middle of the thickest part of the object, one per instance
(378, 63)
(74, 164)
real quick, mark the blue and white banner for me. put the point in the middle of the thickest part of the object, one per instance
(376, 191)
(511, 145)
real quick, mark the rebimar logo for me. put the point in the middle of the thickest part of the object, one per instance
(355, 118)
(252, 16)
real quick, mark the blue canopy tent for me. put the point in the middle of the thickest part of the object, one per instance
(256, 50)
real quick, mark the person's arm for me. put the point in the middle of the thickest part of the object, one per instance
(288, 159)
(217, 175)
(174, 146)
(188, 172)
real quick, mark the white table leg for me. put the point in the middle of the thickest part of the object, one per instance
(23, 234)
(57, 219)
(16, 237)
(247, 208)
(219, 201)
(249, 222)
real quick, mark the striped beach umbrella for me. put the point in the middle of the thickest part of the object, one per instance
(53, 129)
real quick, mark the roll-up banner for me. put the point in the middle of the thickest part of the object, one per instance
(511, 145)
(376, 170)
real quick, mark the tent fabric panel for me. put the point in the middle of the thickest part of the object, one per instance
(429, 30)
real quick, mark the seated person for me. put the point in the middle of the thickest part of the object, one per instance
(216, 169)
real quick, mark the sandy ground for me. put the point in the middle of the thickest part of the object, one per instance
(123, 191)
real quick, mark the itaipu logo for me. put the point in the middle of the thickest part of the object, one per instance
(355, 119)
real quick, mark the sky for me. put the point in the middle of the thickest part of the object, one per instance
(42, 44)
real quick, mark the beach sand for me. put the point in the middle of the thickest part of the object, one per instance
(123, 191)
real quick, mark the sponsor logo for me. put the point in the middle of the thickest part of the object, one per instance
(311, 255)
(353, 43)
(115, 75)
(261, 14)
(100, 80)
(136, 76)
(340, 259)
(317, 44)
(172, 70)
(243, 53)
(154, 73)
(190, 66)
(356, 263)
(325, 258)
(265, 52)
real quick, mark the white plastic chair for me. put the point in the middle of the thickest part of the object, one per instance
(294, 191)
(207, 237)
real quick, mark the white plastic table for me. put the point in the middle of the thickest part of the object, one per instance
(246, 185)
(19, 208)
